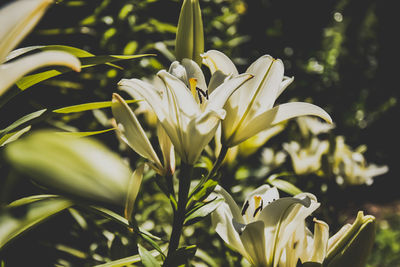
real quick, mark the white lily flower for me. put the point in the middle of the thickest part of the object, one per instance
(251, 109)
(262, 230)
(314, 126)
(350, 166)
(132, 133)
(17, 19)
(189, 115)
(306, 160)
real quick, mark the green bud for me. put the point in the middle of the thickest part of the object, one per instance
(189, 36)
(352, 246)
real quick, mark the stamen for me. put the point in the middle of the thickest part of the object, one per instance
(246, 205)
(193, 84)
(258, 204)
(259, 208)
(201, 94)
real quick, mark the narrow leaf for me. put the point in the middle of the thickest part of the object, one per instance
(22, 120)
(199, 213)
(84, 134)
(88, 106)
(285, 186)
(148, 259)
(35, 212)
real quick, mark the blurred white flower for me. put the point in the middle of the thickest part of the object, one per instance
(17, 19)
(262, 231)
(306, 160)
(251, 109)
(312, 125)
(350, 167)
(189, 111)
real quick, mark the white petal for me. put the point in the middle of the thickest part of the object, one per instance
(194, 71)
(253, 240)
(276, 115)
(134, 134)
(17, 20)
(167, 149)
(216, 60)
(284, 84)
(221, 94)
(268, 74)
(180, 95)
(233, 207)
(320, 245)
(221, 220)
(13, 71)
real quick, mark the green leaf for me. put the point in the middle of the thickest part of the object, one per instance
(35, 210)
(202, 211)
(10, 137)
(285, 186)
(22, 120)
(84, 134)
(87, 60)
(181, 256)
(148, 259)
(88, 106)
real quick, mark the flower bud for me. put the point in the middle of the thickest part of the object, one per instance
(189, 36)
(352, 246)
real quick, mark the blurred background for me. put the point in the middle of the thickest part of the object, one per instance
(339, 52)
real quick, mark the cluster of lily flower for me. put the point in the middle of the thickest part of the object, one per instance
(232, 107)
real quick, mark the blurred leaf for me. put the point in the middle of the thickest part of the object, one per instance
(202, 211)
(87, 60)
(285, 186)
(31, 211)
(148, 259)
(88, 106)
(22, 120)
(80, 167)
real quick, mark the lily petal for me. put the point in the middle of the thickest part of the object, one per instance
(11, 72)
(320, 245)
(132, 132)
(276, 115)
(253, 241)
(216, 60)
(17, 20)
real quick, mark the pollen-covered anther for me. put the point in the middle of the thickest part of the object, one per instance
(258, 203)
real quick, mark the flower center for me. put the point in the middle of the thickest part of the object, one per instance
(196, 91)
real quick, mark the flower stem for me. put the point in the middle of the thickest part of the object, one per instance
(179, 217)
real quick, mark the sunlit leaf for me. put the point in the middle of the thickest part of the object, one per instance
(199, 213)
(10, 137)
(84, 134)
(22, 120)
(88, 106)
(87, 60)
(148, 259)
(35, 210)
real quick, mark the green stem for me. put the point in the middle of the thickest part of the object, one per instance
(218, 162)
(179, 217)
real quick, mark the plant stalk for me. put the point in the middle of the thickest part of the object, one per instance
(179, 217)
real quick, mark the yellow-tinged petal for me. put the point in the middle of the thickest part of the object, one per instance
(216, 60)
(133, 190)
(274, 116)
(17, 19)
(133, 132)
(13, 71)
